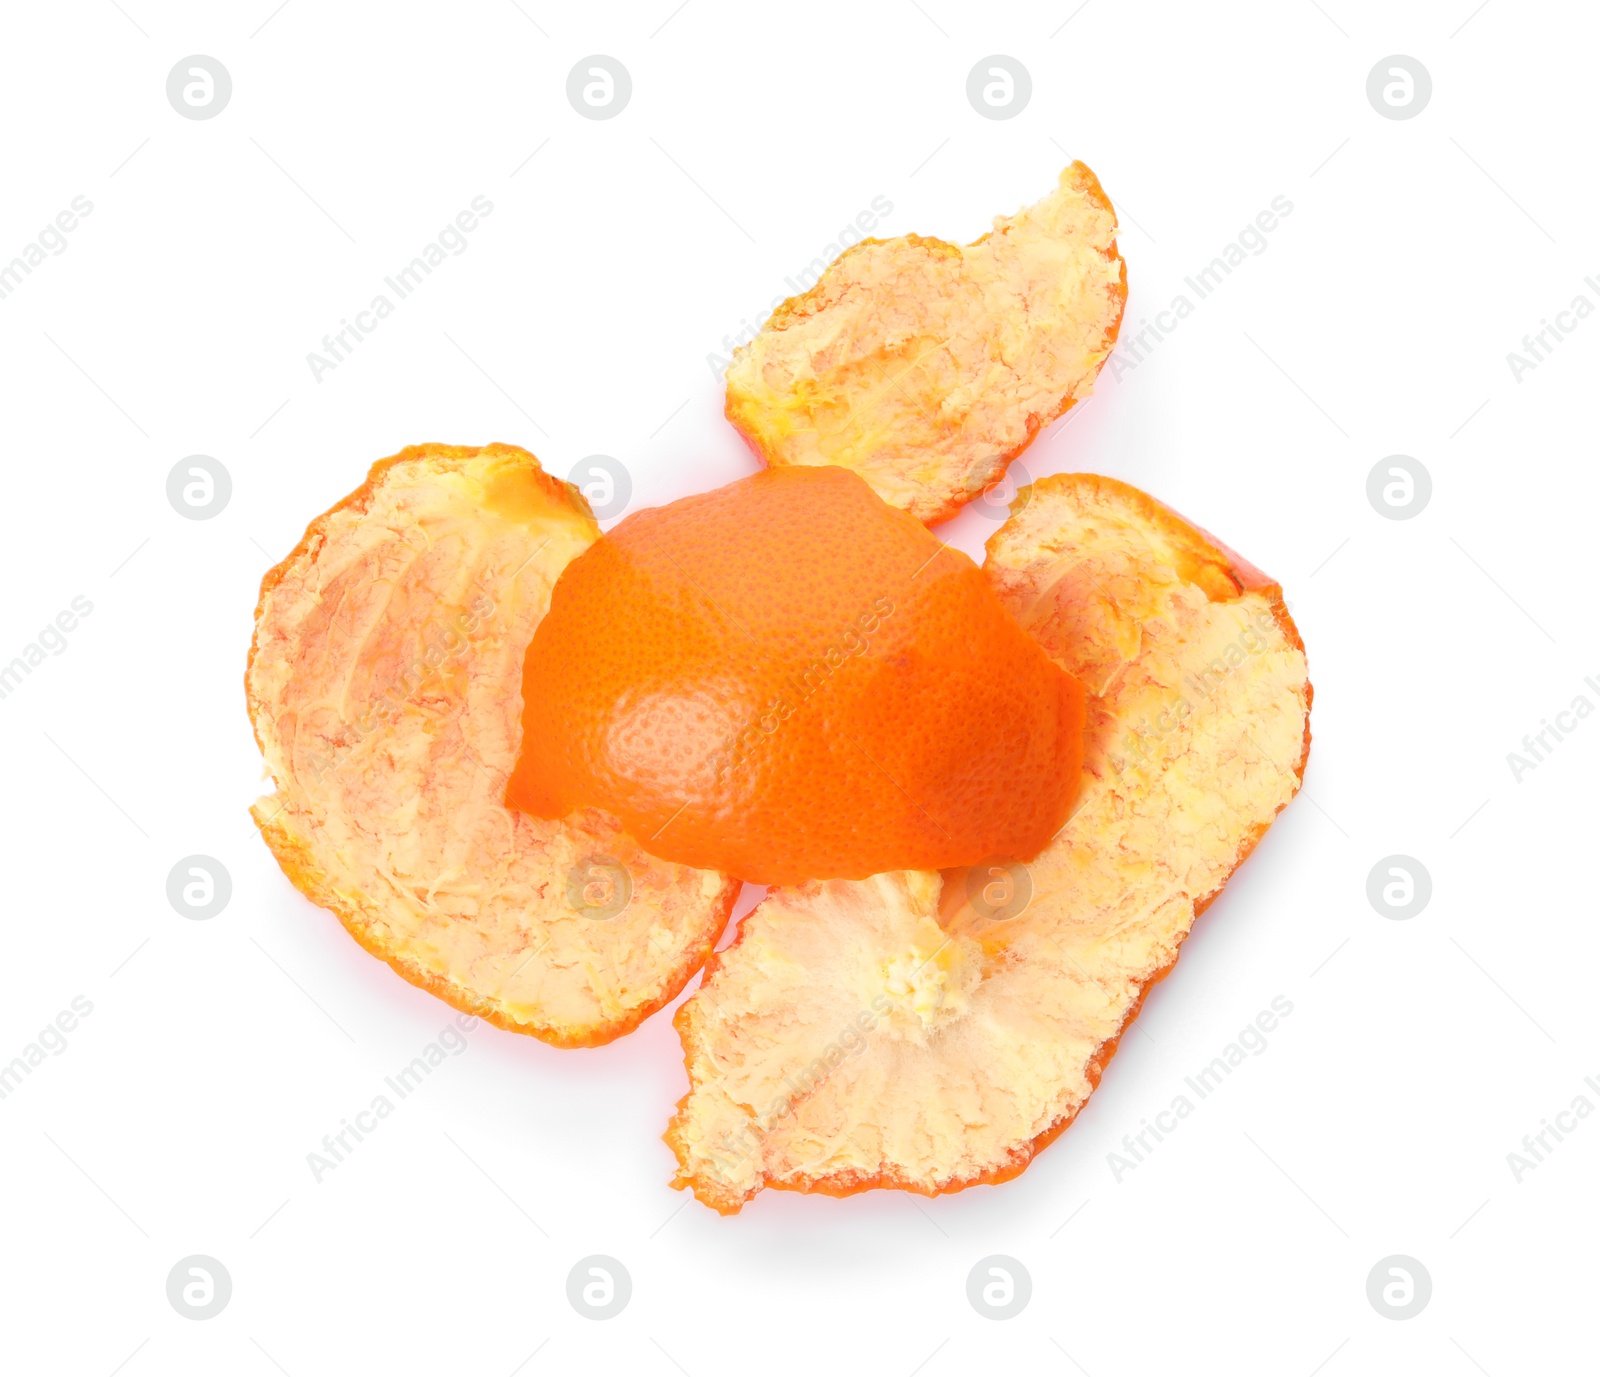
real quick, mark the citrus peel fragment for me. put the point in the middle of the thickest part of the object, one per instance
(927, 366)
(383, 687)
(787, 678)
(917, 1030)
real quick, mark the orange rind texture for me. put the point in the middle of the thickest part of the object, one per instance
(932, 1031)
(788, 679)
(927, 367)
(384, 687)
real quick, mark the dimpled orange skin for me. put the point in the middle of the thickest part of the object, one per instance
(788, 679)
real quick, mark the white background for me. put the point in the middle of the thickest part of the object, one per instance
(579, 320)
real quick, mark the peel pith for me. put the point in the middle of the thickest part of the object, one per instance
(779, 1094)
(928, 366)
(389, 766)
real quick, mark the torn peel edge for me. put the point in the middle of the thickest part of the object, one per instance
(294, 860)
(1212, 555)
(1085, 180)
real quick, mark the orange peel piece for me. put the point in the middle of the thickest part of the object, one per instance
(384, 686)
(933, 1031)
(787, 679)
(927, 367)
